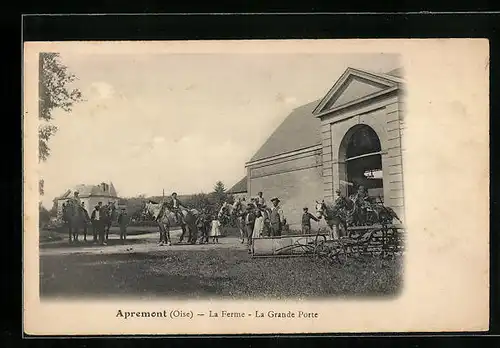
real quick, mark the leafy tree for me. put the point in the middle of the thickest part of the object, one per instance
(54, 93)
(43, 215)
(53, 210)
(41, 189)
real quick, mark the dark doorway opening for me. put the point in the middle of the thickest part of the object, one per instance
(364, 162)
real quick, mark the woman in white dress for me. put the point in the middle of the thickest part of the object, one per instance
(215, 231)
(259, 225)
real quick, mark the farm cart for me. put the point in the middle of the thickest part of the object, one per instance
(362, 240)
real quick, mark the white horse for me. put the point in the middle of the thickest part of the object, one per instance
(164, 222)
(168, 219)
(334, 218)
(227, 211)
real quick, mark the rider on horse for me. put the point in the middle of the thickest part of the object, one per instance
(175, 205)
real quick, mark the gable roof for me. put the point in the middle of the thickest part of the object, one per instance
(89, 190)
(396, 72)
(299, 130)
(239, 187)
(355, 85)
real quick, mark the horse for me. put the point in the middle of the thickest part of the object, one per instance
(75, 218)
(346, 213)
(337, 217)
(228, 213)
(108, 217)
(165, 221)
(168, 219)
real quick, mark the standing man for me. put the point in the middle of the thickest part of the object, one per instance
(306, 221)
(277, 218)
(86, 219)
(342, 215)
(249, 224)
(123, 221)
(98, 222)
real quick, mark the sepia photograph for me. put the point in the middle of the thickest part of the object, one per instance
(162, 176)
(256, 187)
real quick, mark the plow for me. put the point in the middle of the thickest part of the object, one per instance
(374, 240)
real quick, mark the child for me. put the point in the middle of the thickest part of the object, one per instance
(258, 228)
(215, 231)
(306, 221)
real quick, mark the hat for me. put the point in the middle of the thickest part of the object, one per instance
(275, 199)
(305, 208)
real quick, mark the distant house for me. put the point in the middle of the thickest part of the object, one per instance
(239, 190)
(90, 195)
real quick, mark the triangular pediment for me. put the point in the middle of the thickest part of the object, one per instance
(355, 85)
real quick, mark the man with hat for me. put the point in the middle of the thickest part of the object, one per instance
(86, 220)
(306, 221)
(277, 218)
(176, 206)
(97, 225)
(249, 223)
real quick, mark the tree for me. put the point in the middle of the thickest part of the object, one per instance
(54, 93)
(220, 194)
(219, 187)
(41, 189)
(43, 215)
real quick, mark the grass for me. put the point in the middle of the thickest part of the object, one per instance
(219, 273)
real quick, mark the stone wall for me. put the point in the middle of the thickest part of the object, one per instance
(384, 116)
(296, 180)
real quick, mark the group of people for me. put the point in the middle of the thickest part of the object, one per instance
(100, 219)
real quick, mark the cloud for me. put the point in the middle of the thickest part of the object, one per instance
(102, 90)
(158, 140)
(280, 98)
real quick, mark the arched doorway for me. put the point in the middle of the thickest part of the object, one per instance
(361, 159)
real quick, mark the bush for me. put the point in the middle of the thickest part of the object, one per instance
(43, 216)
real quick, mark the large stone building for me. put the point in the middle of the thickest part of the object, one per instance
(350, 137)
(90, 195)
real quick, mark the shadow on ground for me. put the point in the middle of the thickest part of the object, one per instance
(213, 273)
(89, 244)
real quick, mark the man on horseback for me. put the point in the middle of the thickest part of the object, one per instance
(259, 200)
(362, 204)
(175, 205)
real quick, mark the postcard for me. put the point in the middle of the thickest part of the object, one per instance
(256, 187)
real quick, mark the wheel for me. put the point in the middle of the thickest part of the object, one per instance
(321, 250)
(338, 253)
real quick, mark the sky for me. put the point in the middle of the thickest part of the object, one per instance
(181, 122)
